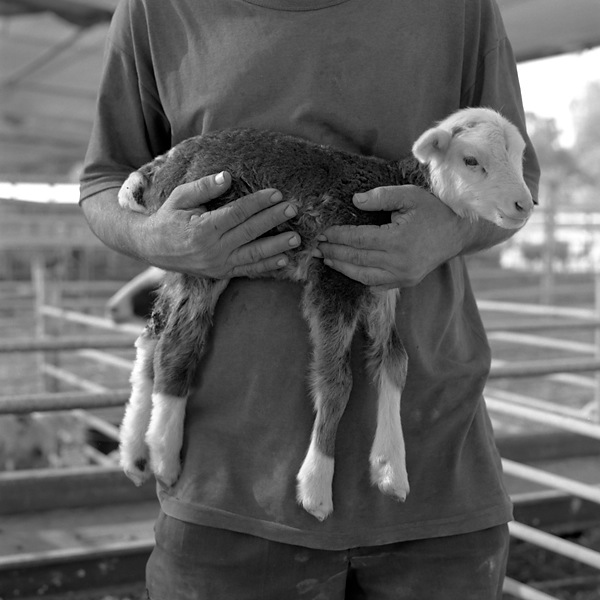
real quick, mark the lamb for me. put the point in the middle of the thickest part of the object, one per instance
(472, 161)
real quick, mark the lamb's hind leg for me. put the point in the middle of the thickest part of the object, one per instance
(332, 322)
(133, 452)
(388, 363)
(178, 353)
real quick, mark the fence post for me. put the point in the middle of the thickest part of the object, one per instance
(596, 404)
(38, 280)
(47, 291)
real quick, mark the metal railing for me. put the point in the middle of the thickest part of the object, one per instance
(585, 421)
(90, 395)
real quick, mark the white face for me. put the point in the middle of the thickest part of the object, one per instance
(488, 162)
(477, 168)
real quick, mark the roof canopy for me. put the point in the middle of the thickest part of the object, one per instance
(52, 54)
(542, 28)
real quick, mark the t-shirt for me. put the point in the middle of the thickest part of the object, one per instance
(364, 76)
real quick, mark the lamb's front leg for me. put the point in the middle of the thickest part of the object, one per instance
(332, 325)
(388, 364)
(133, 452)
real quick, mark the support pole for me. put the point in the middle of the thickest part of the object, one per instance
(38, 280)
(597, 343)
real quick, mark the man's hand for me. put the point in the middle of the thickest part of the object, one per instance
(423, 234)
(184, 236)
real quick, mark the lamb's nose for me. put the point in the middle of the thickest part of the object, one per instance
(524, 205)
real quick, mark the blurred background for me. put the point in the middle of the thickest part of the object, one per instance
(71, 525)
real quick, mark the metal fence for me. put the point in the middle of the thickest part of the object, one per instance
(584, 422)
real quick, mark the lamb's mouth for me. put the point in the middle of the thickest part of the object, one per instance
(509, 222)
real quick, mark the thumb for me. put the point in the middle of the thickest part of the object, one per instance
(390, 198)
(198, 192)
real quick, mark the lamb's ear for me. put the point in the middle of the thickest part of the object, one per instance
(433, 143)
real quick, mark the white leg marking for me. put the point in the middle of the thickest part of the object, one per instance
(315, 479)
(388, 454)
(133, 452)
(165, 436)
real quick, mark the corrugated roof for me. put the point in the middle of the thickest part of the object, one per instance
(82, 13)
(51, 55)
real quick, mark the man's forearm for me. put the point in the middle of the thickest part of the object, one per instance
(117, 228)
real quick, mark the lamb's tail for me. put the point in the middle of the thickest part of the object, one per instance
(131, 194)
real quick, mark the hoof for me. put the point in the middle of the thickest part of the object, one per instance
(317, 504)
(314, 489)
(164, 437)
(167, 478)
(315, 480)
(137, 470)
(138, 476)
(391, 479)
(166, 470)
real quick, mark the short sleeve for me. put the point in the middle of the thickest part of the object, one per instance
(130, 126)
(494, 83)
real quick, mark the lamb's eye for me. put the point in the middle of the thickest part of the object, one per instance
(470, 161)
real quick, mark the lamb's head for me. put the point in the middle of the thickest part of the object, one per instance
(475, 160)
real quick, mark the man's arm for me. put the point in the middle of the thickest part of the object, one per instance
(183, 236)
(424, 233)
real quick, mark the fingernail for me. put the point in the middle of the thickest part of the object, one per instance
(276, 197)
(290, 211)
(316, 253)
(282, 262)
(360, 198)
(321, 238)
(294, 240)
(220, 178)
(328, 262)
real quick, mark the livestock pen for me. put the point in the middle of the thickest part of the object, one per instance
(85, 529)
